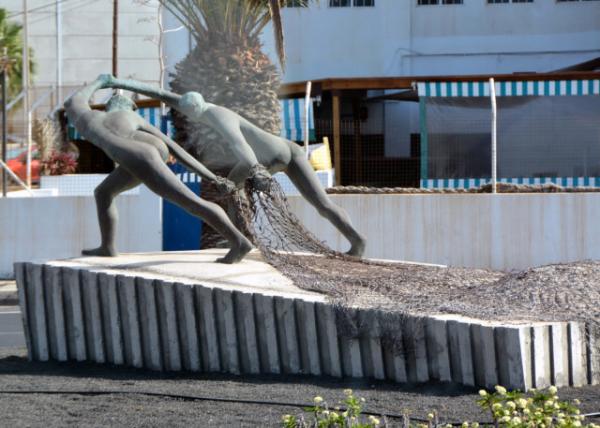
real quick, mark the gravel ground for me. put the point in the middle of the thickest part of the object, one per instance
(137, 410)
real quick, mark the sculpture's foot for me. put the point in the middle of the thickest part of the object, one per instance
(358, 247)
(100, 251)
(237, 253)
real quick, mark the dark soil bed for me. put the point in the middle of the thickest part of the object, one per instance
(137, 410)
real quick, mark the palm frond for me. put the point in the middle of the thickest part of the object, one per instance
(235, 21)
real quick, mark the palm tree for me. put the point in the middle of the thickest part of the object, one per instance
(227, 64)
(10, 39)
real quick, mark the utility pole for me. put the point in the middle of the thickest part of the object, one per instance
(59, 51)
(4, 64)
(115, 41)
(26, 115)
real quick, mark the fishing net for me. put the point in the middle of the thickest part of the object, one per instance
(564, 292)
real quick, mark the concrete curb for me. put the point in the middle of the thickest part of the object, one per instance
(82, 315)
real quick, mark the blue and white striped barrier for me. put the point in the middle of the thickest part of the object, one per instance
(293, 119)
(473, 183)
(510, 89)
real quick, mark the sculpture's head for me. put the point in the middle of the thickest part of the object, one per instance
(192, 104)
(120, 103)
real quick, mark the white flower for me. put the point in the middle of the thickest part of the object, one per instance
(500, 390)
(348, 391)
(483, 392)
(318, 399)
(552, 390)
(374, 420)
(522, 403)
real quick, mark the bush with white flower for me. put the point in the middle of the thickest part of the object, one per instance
(320, 415)
(539, 409)
(509, 409)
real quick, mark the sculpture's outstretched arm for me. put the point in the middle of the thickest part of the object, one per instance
(167, 97)
(180, 154)
(79, 103)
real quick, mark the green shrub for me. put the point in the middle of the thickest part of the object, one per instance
(321, 416)
(508, 409)
(539, 408)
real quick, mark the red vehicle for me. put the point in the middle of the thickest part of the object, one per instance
(18, 165)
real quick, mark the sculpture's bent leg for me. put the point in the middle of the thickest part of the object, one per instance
(153, 172)
(303, 176)
(117, 182)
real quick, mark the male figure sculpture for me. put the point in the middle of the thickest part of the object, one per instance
(141, 151)
(249, 146)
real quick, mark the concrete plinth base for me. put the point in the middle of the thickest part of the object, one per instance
(181, 311)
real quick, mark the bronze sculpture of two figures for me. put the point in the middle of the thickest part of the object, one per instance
(141, 151)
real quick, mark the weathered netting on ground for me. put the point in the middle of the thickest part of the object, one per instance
(563, 292)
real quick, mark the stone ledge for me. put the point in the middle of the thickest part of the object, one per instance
(86, 313)
(8, 293)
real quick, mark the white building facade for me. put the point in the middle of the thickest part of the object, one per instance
(338, 38)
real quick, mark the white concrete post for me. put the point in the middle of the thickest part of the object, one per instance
(494, 159)
(306, 113)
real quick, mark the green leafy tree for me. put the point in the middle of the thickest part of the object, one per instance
(11, 41)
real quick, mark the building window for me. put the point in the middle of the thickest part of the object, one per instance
(295, 3)
(364, 3)
(430, 2)
(348, 3)
(339, 3)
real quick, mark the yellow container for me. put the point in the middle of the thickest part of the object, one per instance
(320, 158)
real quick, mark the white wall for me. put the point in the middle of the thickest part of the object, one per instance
(506, 231)
(43, 228)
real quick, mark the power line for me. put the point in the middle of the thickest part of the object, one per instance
(74, 6)
(34, 9)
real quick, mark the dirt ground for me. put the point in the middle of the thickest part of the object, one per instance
(453, 403)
